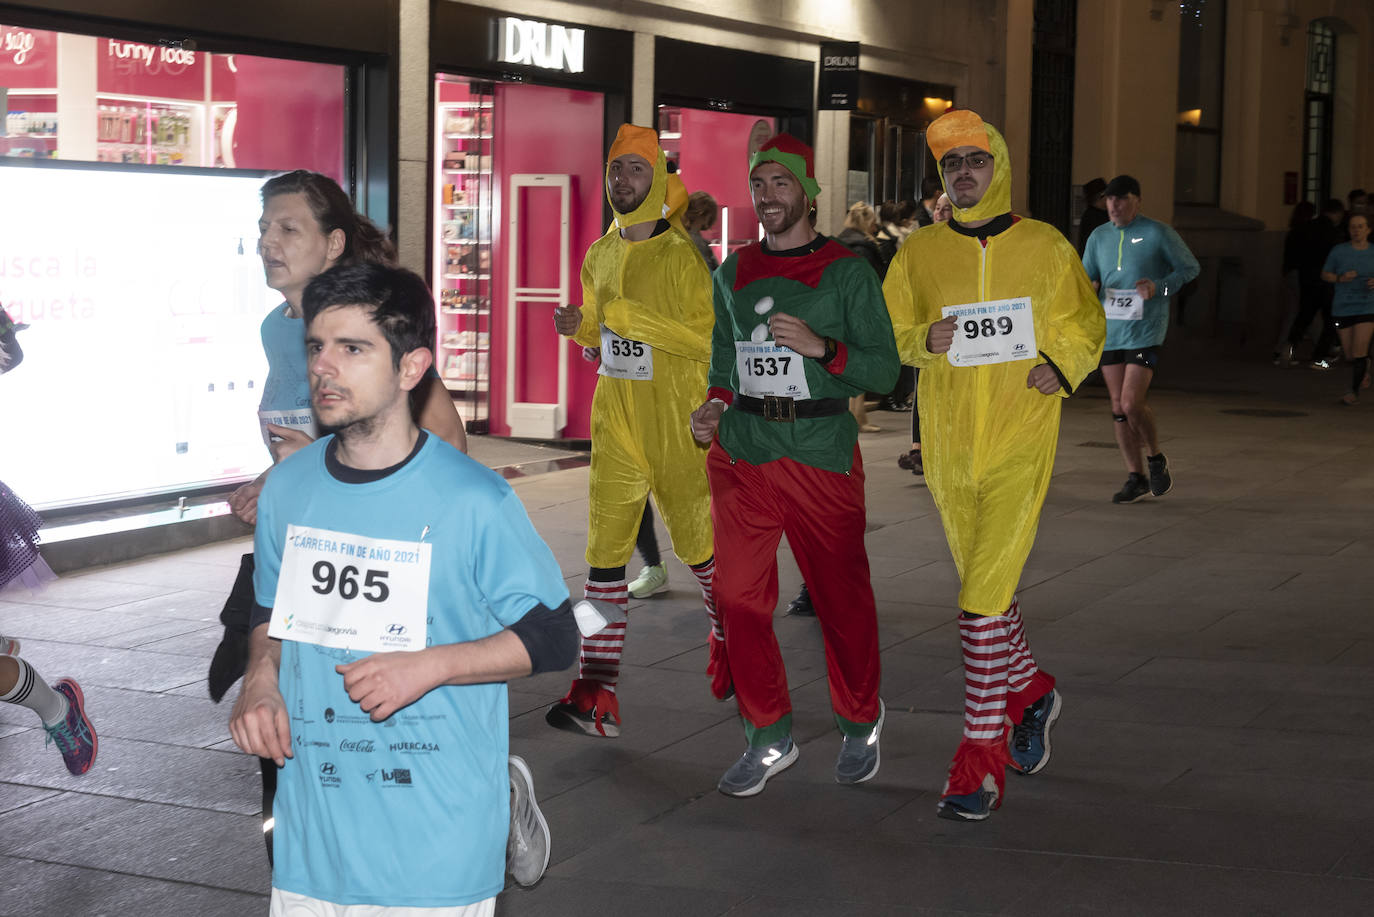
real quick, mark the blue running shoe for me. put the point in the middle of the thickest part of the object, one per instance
(1030, 739)
(73, 735)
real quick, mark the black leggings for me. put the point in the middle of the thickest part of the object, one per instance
(647, 541)
(916, 406)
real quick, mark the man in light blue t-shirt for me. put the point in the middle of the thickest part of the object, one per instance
(398, 584)
(1136, 264)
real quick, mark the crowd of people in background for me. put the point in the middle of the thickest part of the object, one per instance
(1328, 288)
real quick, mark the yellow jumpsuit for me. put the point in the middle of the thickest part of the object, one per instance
(657, 292)
(988, 441)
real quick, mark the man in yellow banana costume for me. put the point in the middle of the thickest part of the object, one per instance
(646, 302)
(1000, 318)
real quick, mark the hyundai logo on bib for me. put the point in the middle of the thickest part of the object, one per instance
(397, 630)
(326, 768)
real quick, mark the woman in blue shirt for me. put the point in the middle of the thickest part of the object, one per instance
(1350, 268)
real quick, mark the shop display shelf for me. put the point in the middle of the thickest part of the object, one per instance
(467, 136)
(466, 385)
(466, 348)
(467, 276)
(451, 311)
(464, 172)
(462, 207)
(47, 136)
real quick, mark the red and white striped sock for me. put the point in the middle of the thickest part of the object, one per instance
(1022, 667)
(718, 668)
(600, 657)
(986, 658)
(982, 755)
(704, 572)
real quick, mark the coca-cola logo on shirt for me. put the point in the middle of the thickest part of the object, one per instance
(359, 746)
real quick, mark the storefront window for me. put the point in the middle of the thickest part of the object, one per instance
(1202, 38)
(126, 102)
(711, 152)
(130, 175)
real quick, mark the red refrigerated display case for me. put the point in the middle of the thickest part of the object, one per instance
(518, 198)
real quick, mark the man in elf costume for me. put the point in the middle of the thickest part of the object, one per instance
(646, 302)
(1000, 318)
(800, 328)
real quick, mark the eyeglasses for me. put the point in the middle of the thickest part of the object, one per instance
(977, 160)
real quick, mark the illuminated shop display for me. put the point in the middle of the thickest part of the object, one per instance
(129, 248)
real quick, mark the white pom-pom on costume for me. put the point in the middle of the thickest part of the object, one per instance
(763, 305)
(760, 333)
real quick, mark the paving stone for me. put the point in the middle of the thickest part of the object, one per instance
(137, 838)
(151, 716)
(113, 667)
(147, 771)
(69, 890)
(14, 796)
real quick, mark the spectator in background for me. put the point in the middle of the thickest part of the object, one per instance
(1094, 213)
(860, 227)
(701, 216)
(1314, 297)
(889, 234)
(860, 236)
(1357, 201)
(931, 189)
(1291, 289)
(911, 461)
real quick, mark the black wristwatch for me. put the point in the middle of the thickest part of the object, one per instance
(831, 349)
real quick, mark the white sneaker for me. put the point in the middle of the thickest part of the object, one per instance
(651, 581)
(527, 847)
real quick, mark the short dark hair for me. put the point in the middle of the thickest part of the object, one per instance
(1121, 186)
(363, 240)
(400, 302)
(1333, 205)
(889, 212)
(930, 187)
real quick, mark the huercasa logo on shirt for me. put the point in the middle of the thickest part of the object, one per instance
(414, 748)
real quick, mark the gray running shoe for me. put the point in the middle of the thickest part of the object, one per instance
(747, 776)
(858, 760)
(527, 847)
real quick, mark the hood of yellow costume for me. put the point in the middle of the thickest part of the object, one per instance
(642, 142)
(965, 128)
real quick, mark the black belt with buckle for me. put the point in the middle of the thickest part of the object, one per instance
(784, 409)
